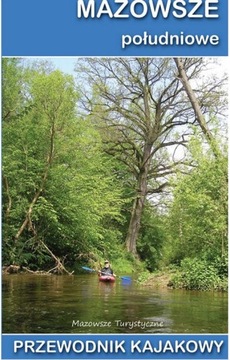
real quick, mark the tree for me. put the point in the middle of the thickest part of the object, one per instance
(54, 101)
(152, 237)
(12, 88)
(141, 104)
(59, 187)
(181, 66)
(197, 220)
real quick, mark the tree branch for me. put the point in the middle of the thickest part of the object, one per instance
(196, 106)
(42, 186)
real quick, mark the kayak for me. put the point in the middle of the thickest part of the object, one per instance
(107, 278)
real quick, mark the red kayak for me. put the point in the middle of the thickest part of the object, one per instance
(107, 278)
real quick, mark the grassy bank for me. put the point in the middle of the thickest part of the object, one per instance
(193, 274)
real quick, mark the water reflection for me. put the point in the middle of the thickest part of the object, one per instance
(79, 304)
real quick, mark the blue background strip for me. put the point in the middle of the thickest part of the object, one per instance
(120, 346)
(51, 28)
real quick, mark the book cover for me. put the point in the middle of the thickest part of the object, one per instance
(114, 179)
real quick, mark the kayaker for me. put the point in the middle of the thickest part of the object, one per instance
(106, 270)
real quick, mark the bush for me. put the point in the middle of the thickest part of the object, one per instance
(143, 277)
(151, 239)
(221, 264)
(196, 274)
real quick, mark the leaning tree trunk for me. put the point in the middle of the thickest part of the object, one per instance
(138, 204)
(196, 107)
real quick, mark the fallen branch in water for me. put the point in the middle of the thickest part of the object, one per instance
(59, 268)
(16, 269)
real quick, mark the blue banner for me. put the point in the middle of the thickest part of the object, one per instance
(114, 27)
(114, 346)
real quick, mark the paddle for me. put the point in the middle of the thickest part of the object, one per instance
(126, 278)
(88, 269)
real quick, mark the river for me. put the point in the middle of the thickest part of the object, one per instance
(82, 304)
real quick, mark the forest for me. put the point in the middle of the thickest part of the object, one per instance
(126, 160)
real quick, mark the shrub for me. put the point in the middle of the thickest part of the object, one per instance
(196, 274)
(221, 264)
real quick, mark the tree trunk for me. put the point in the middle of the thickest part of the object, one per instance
(27, 220)
(8, 196)
(138, 204)
(196, 107)
(134, 224)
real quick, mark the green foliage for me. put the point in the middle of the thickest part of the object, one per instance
(197, 221)
(221, 264)
(62, 177)
(151, 238)
(12, 88)
(51, 152)
(143, 277)
(197, 274)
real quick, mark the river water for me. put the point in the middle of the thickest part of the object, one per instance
(82, 304)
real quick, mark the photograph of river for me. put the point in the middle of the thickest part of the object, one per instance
(116, 167)
(82, 304)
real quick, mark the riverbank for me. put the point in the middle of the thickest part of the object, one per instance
(178, 279)
(159, 280)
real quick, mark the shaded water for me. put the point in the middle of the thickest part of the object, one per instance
(82, 304)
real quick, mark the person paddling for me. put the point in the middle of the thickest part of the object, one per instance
(106, 270)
